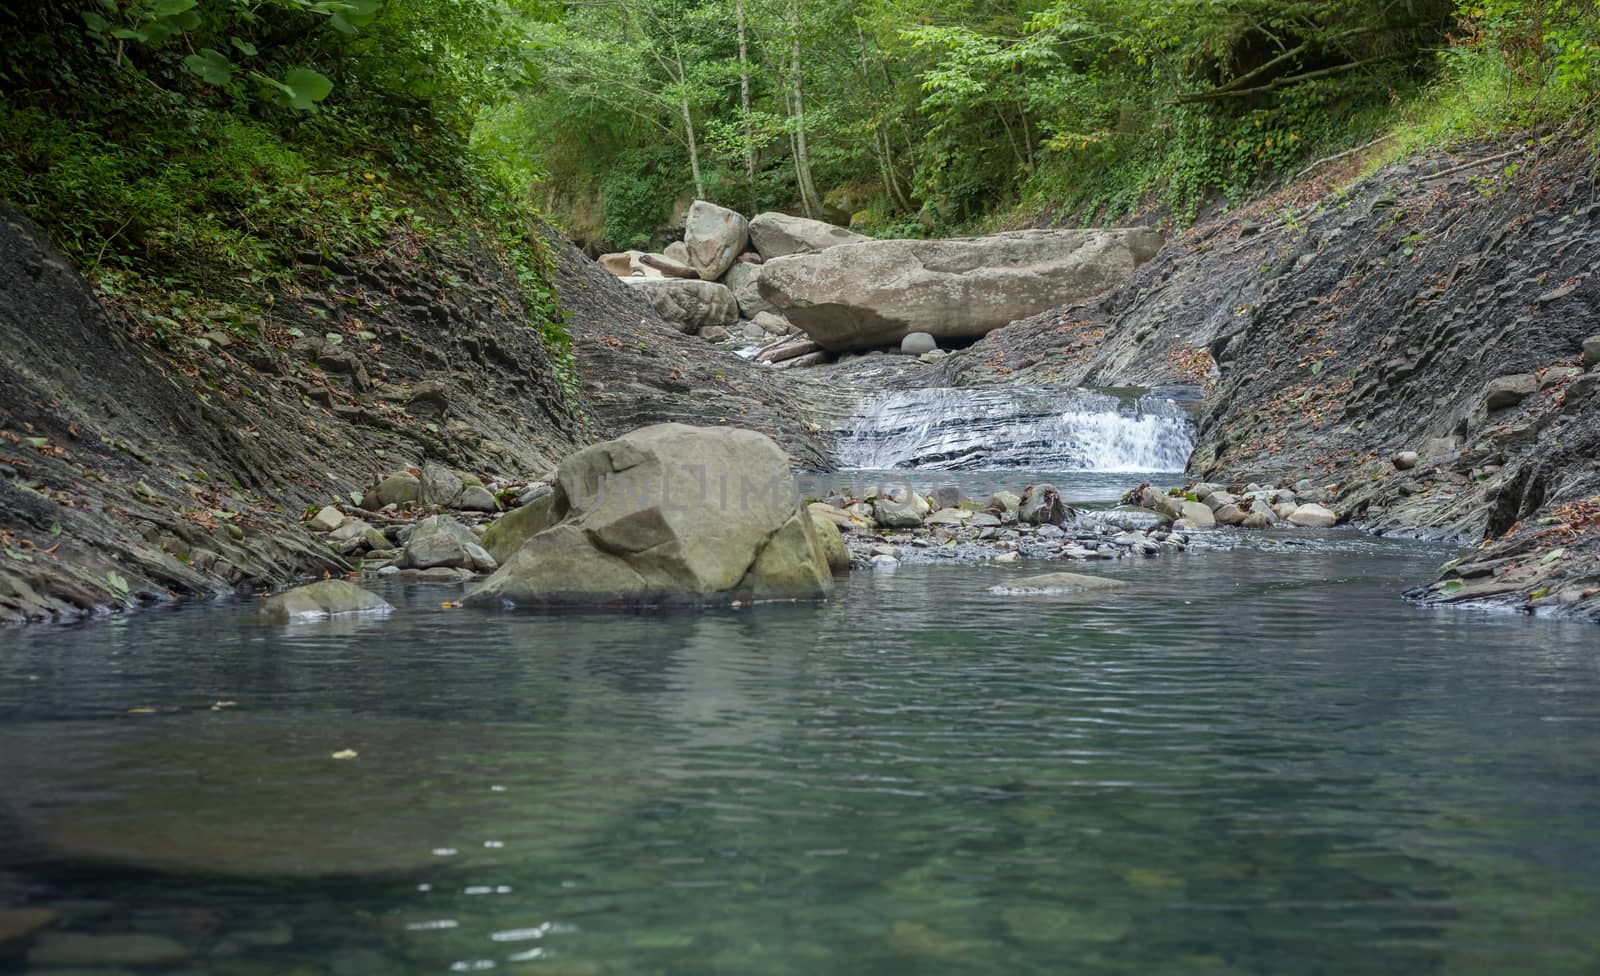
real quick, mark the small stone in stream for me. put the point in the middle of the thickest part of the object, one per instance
(1041, 505)
(1007, 557)
(1283, 496)
(1056, 583)
(477, 499)
(326, 598)
(58, 949)
(1189, 524)
(1406, 460)
(1257, 520)
(1193, 515)
(918, 343)
(1504, 392)
(1003, 503)
(1313, 516)
(984, 520)
(1217, 499)
(885, 562)
(899, 513)
(947, 496)
(1127, 540)
(884, 550)
(376, 540)
(440, 486)
(18, 926)
(714, 333)
(1229, 514)
(327, 520)
(754, 331)
(1591, 352)
(389, 570)
(1048, 531)
(949, 516)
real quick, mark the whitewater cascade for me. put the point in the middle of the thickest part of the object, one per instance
(1043, 428)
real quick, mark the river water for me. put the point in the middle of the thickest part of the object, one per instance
(1256, 760)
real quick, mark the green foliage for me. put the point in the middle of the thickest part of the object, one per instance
(638, 194)
(173, 172)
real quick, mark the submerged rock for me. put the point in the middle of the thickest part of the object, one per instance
(320, 600)
(1054, 583)
(669, 514)
(58, 949)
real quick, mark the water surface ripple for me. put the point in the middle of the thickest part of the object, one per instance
(1253, 761)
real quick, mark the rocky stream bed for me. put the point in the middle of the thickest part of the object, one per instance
(1415, 355)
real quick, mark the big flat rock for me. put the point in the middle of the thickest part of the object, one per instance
(874, 293)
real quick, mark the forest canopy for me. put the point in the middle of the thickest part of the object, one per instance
(901, 119)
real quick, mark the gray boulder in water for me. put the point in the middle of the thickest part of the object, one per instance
(668, 514)
(874, 293)
(327, 598)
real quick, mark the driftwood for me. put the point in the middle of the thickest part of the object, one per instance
(671, 269)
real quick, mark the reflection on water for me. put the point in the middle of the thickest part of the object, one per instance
(1253, 761)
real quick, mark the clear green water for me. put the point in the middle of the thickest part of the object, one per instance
(1256, 761)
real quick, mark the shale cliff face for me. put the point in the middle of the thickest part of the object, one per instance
(1435, 309)
(140, 462)
(137, 464)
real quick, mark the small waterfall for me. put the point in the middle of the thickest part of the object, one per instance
(1018, 427)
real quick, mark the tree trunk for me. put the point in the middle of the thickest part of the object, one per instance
(810, 200)
(744, 109)
(694, 149)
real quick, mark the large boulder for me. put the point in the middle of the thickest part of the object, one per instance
(874, 293)
(318, 601)
(688, 305)
(744, 280)
(668, 514)
(714, 237)
(776, 235)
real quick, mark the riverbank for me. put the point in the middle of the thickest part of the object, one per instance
(1413, 343)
